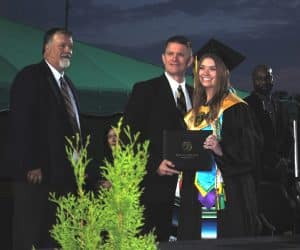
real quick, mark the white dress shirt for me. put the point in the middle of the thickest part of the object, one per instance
(174, 86)
(57, 75)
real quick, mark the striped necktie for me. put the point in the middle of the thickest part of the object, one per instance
(181, 104)
(65, 91)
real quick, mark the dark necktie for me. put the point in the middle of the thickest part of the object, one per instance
(68, 104)
(181, 105)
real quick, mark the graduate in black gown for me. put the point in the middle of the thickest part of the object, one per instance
(221, 202)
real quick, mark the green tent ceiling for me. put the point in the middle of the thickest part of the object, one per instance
(104, 79)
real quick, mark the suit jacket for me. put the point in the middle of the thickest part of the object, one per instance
(39, 125)
(151, 109)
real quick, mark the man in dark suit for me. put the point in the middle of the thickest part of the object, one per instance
(151, 109)
(43, 111)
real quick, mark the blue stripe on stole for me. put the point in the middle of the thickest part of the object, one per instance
(209, 229)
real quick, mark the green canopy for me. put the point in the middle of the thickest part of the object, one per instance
(103, 79)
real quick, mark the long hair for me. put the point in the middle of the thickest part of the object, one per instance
(222, 84)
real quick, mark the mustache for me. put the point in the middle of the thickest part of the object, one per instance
(67, 56)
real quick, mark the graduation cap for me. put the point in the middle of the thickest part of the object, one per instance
(229, 56)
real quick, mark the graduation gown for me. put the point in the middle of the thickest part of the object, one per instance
(239, 144)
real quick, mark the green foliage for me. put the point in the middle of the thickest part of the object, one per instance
(79, 217)
(116, 210)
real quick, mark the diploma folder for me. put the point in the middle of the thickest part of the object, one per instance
(185, 149)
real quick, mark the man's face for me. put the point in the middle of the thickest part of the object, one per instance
(58, 51)
(263, 81)
(177, 58)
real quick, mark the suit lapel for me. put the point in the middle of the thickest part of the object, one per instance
(55, 90)
(167, 94)
(52, 84)
(169, 100)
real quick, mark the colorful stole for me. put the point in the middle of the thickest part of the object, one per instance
(208, 183)
(211, 192)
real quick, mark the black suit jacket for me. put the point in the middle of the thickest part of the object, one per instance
(39, 125)
(151, 109)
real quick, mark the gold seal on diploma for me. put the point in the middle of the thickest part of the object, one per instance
(187, 146)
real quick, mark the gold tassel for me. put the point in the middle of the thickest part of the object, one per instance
(195, 65)
(195, 69)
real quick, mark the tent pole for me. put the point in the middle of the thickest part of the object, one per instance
(67, 7)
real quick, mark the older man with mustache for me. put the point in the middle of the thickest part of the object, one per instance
(43, 111)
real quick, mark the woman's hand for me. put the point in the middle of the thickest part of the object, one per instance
(212, 143)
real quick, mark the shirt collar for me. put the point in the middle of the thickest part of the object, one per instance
(173, 83)
(57, 75)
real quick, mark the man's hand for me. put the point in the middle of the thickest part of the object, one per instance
(167, 168)
(35, 176)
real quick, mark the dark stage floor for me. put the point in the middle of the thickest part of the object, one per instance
(256, 243)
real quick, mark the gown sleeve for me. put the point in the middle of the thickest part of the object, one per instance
(240, 142)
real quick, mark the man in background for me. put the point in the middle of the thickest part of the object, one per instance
(272, 170)
(273, 121)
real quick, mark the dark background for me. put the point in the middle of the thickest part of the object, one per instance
(265, 31)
